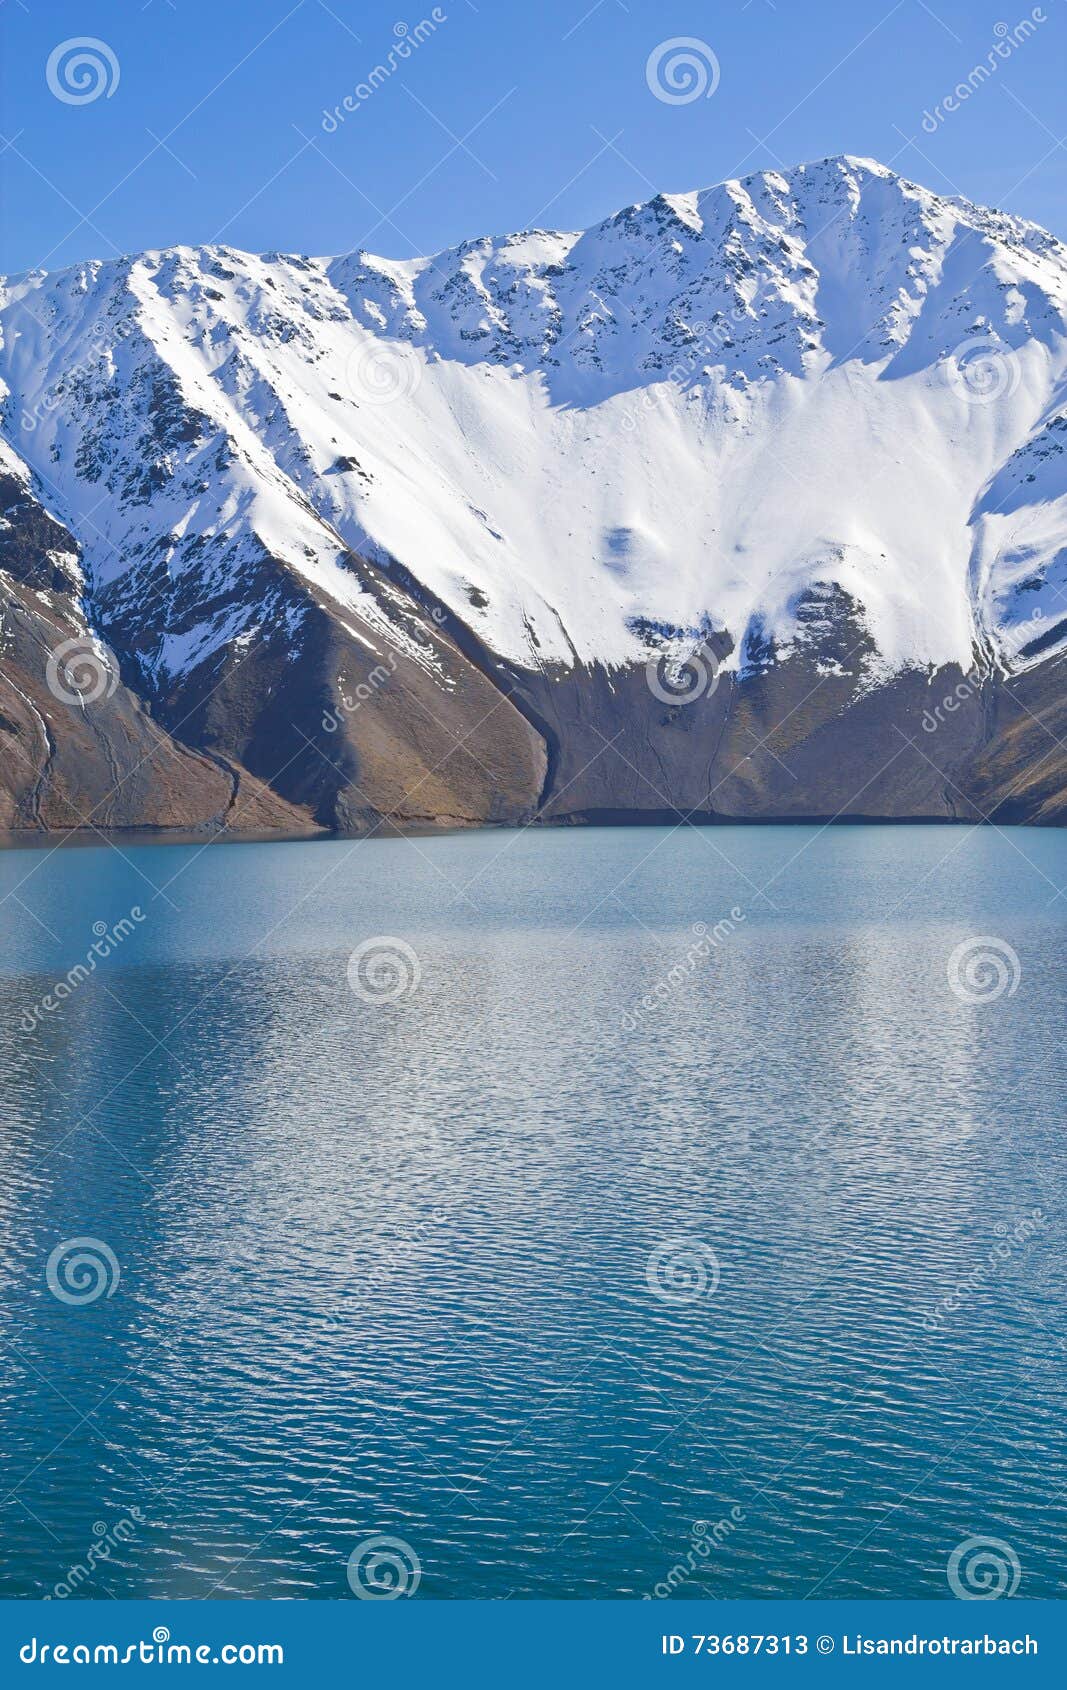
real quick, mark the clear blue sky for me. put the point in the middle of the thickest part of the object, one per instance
(510, 113)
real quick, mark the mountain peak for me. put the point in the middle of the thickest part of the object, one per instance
(703, 325)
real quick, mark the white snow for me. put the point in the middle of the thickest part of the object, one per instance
(685, 417)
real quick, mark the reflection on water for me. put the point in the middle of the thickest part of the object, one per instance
(384, 1267)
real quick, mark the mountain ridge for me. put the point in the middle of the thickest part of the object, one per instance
(801, 433)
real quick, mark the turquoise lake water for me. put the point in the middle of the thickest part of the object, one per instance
(663, 1213)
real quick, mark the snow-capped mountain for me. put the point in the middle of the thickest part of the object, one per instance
(436, 539)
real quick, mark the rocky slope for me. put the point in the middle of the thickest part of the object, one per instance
(747, 503)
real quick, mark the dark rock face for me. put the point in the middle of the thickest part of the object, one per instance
(805, 734)
(362, 731)
(78, 750)
(788, 745)
(297, 733)
(1020, 773)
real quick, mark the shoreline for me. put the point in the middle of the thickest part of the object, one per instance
(86, 838)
